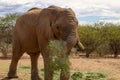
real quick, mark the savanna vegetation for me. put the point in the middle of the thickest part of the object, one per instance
(100, 38)
(6, 27)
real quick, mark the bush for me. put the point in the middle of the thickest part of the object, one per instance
(101, 38)
(6, 28)
(90, 38)
(77, 76)
(58, 56)
(89, 76)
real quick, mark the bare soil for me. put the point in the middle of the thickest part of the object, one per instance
(109, 66)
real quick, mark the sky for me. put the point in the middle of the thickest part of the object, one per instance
(87, 11)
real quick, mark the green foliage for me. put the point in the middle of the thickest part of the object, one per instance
(77, 76)
(103, 38)
(94, 76)
(55, 47)
(89, 76)
(9, 19)
(6, 28)
(25, 67)
(90, 38)
(58, 56)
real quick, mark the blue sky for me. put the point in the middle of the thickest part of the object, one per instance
(87, 11)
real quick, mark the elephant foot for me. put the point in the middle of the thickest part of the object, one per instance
(12, 74)
(36, 78)
(8, 78)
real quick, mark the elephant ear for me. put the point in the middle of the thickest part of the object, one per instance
(54, 21)
(46, 28)
(43, 28)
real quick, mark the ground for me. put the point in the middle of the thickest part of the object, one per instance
(108, 66)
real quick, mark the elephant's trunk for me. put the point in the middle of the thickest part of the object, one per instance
(73, 40)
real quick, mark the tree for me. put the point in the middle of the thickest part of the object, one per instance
(89, 37)
(6, 27)
(102, 38)
(114, 39)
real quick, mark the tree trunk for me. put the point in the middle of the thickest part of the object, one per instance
(4, 53)
(87, 54)
(115, 55)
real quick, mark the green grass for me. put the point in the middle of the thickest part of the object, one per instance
(24, 67)
(90, 76)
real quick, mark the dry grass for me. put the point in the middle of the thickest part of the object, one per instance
(106, 65)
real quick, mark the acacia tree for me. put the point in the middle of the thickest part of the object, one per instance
(103, 47)
(6, 27)
(103, 38)
(110, 37)
(89, 37)
(114, 39)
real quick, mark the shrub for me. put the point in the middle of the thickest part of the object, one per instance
(89, 76)
(59, 57)
(101, 38)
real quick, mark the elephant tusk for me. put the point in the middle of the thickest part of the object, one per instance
(81, 45)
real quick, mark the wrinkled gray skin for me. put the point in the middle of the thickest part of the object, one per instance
(32, 33)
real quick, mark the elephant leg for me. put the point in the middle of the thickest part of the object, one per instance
(65, 71)
(34, 66)
(48, 71)
(13, 66)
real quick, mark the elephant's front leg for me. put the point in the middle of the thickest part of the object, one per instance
(48, 71)
(34, 68)
(13, 66)
(65, 71)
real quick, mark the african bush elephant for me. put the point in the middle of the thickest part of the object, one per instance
(32, 33)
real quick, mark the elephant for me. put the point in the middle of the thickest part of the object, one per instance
(33, 31)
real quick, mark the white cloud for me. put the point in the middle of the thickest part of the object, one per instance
(90, 7)
(111, 21)
(83, 8)
(12, 2)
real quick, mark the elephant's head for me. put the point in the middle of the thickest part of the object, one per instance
(63, 24)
